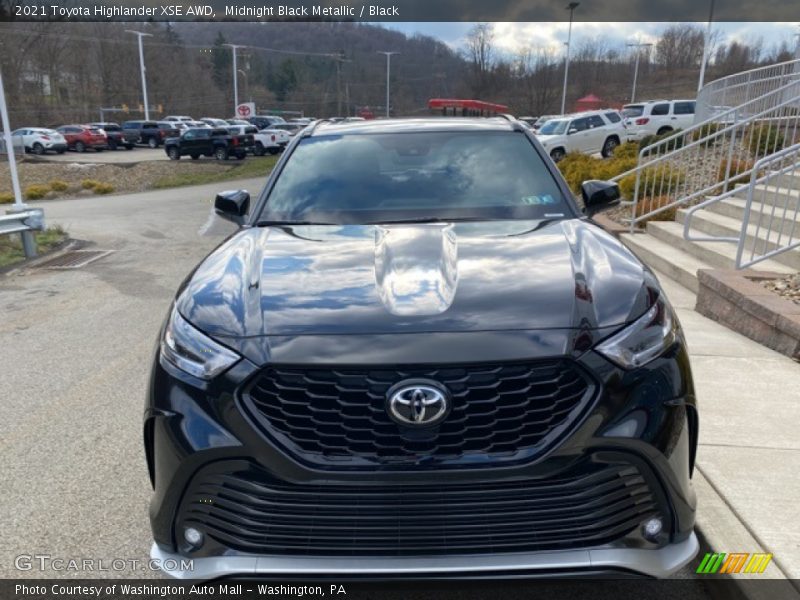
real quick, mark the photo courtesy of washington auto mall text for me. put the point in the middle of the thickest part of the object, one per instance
(400, 299)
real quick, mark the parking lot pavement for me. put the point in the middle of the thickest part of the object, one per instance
(78, 349)
(138, 154)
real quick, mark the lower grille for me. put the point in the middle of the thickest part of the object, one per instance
(499, 412)
(251, 511)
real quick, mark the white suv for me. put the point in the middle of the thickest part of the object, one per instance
(587, 132)
(39, 140)
(656, 117)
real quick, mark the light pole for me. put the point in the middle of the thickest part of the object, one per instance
(638, 47)
(388, 71)
(234, 47)
(571, 8)
(140, 35)
(706, 42)
(246, 85)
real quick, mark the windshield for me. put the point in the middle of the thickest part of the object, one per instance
(372, 178)
(632, 110)
(554, 127)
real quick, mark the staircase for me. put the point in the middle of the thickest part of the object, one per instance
(733, 177)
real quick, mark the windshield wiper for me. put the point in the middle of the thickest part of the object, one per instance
(428, 220)
(290, 223)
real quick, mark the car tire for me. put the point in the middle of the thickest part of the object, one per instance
(195, 156)
(557, 154)
(259, 150)
(152, 143)
(112, 145)
(80, 147)
(221, 153)
(664, 130)
(609, 146)
(38, 149)
(59, 152)
(173, 153)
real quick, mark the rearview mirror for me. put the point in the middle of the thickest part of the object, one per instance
(232, 205)
(599, 195)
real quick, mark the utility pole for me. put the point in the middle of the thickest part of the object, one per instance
(339, 59)
(706, 49)
(571, 8)
(234, 47)
(638, 47)
(388, 72)
(140, 35)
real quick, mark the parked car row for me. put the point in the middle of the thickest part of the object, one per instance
(270, 134)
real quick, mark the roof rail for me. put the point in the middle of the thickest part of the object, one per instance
(513, 120)
(309, 131)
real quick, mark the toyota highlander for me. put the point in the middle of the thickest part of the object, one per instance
(418, 356)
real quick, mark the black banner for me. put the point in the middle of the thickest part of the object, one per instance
(399, 10)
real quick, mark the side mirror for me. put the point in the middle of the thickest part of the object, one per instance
(599, 195)
(571, 130)
(232, 205)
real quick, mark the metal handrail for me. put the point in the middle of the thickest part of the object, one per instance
(727, 144)
(761, 166)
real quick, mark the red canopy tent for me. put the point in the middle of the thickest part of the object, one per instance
(590, 102)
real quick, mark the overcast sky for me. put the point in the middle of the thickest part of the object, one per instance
(510, 37)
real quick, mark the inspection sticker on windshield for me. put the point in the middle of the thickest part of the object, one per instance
(536, 200)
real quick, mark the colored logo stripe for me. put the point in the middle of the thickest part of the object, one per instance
(735, 562)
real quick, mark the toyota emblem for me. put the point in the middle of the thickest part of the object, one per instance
(418, 403)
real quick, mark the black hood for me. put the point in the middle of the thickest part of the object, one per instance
(413, 278)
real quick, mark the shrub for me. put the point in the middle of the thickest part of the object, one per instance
(648, 140)
(645, 205)
(706, 130)
(59, 186)
(6, 197)
(763, 139)
(89, 184)
(652, 181)
(103, 188)
(627, 150)
(36, 191)
(738, 166)
(577, 168)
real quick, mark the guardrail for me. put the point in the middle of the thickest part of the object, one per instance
(23, 221)
(775, 228)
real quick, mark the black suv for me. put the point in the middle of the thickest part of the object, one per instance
(418, 357)
(219, 143)
(117, 136)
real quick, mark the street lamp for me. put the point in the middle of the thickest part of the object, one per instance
(234, 47)
(246, 84)
(638, 47)
(140, 35)
(388, 70)
(571, 8)
(706, 43)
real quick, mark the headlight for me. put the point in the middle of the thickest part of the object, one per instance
(644, 339)
(192, 351)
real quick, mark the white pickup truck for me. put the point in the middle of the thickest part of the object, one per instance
(269, 141)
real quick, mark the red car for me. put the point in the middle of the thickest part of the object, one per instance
(81, 137)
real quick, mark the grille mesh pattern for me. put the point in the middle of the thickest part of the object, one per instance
(497, 411)
(250, 511)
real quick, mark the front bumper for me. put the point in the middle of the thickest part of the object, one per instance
(646, 418)
(658, 563)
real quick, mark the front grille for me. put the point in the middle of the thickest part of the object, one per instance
(251, 511)
(499, 412)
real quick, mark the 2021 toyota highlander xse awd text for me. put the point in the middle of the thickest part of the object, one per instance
(417, 356)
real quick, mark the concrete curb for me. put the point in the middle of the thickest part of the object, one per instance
(722, 530)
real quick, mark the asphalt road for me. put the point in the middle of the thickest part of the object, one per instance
(78, 345)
